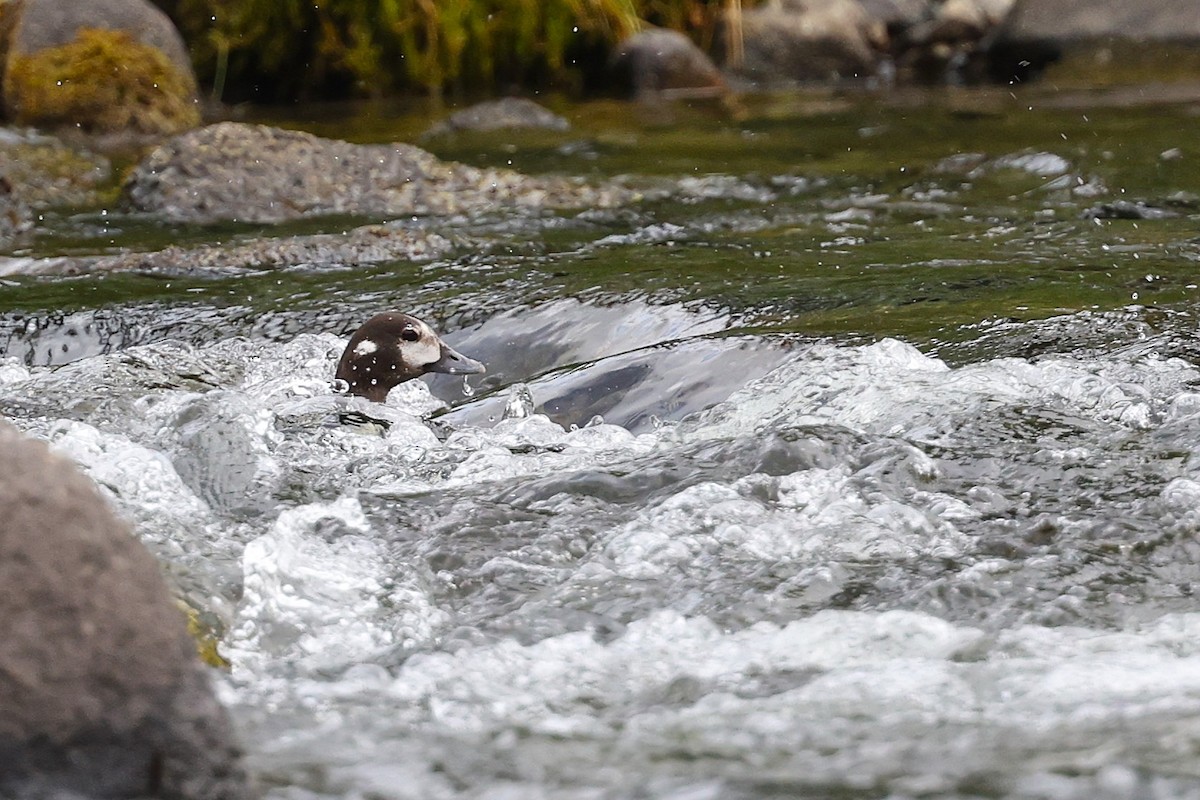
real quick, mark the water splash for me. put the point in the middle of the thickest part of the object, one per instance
(435, 593)
(520, 402)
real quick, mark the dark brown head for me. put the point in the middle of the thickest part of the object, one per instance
(392, 348)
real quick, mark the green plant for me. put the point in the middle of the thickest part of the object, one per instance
(286, 49)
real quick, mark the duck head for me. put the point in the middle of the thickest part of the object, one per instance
(391, 348)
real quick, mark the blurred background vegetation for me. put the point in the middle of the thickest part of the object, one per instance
(284, 50)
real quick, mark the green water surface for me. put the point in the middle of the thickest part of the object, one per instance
(862, 229)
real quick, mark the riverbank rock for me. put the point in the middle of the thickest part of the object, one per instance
(507, 113)
(898, 15)
(946, 46)
(253, 173)
(802, 40)
(15, 215)
(1081, 20)
(1038, 32)
(658, 61)
(102, 693)
(102, 66)
(46, 173)
(40, 172)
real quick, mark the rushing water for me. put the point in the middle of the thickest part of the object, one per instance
(857, 460)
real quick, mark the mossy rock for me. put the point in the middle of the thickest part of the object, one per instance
(102, 81)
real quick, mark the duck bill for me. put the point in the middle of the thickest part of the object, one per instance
(453, 362)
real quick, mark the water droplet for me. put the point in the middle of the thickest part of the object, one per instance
(468, 390)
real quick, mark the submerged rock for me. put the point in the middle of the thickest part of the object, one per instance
(369, 244)
(507, 113)
(657, 61)
(1126, 209)
(103, 66)
(253, 173)
(102, 695)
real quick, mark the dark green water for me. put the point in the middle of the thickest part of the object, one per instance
(824, 217)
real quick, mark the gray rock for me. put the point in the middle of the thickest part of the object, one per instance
(102, 694)
(657, 61)
(46, 173)
(805, 40)
(508, 113)
(1127, 209)
(15, 215)
(253, 173)
(1038, 32)
(51, 23)
(961, 20)
(945, 45)
(898, 14)
(368, 244)
(1075, 20)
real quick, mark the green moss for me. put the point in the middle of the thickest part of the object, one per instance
(102, 81)
(206, 636)
(307, 49)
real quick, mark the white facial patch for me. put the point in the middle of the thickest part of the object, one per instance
(365, 348)
(421, 352)
(425, 350)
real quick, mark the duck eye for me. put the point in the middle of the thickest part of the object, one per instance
(410, 334)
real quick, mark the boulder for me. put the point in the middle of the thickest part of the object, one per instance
(252, 173)
(1078, 20)
(102, 694)
(658, 61)
(1037, 32)
(46, 173)
(15, 216)
(507, 113)
(946, 45)
(805, 40)
(898, 15)
(103, 66)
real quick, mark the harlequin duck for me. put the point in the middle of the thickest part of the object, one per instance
(391, 348)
